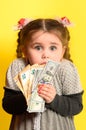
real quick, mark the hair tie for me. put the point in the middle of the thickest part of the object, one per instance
(21, 23)
(65, 21)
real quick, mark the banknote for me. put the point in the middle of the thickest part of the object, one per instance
(48, 72)
(36, 103)
(26, 78)
(17, 81)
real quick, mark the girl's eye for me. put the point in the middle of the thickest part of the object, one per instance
(38, 47)
(53, 48)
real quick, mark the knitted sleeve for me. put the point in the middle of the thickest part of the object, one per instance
(15, 67)
(70, 79)
(13, 101)
(70, 102)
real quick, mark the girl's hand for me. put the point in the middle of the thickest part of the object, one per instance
(47, 92)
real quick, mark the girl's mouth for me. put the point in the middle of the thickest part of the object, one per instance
(43, 63)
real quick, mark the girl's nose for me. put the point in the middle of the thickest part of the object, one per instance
(45, 55)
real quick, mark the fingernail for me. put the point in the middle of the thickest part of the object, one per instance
(39, 92)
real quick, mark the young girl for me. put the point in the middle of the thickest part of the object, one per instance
(38, 41)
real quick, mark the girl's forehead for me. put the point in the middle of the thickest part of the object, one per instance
(37, 34)
(44, 34)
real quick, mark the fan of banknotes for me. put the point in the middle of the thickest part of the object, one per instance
(30, 78)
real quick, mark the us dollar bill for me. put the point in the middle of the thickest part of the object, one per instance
(48, 72)
(35, 103)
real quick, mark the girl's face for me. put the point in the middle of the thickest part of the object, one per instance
(44, 46)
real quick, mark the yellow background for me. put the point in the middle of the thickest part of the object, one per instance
(12, 10)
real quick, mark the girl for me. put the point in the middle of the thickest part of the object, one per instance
(39, 41)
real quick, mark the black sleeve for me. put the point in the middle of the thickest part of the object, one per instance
(68, 105)
(14, 102)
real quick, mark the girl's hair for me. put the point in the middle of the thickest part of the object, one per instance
(47, 25)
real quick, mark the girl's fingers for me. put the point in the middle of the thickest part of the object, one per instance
(47, 92)
(47, 98)
(46, 87)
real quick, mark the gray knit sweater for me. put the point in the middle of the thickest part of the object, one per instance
(67, 83)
